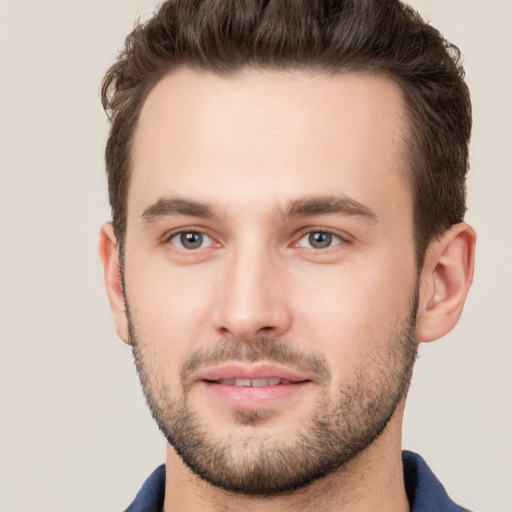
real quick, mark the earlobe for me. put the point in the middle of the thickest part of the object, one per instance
(112, 277)
(445, 281)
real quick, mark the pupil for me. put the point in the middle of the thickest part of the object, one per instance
(191, 240)
(320, 240)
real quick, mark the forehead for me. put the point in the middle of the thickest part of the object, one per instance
(267, 137)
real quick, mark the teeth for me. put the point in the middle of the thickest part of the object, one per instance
(255, 383)
(264, 382)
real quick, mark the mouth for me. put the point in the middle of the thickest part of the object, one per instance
(253, 383)
(253, 387)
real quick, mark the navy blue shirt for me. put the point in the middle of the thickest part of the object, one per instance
(425, 492)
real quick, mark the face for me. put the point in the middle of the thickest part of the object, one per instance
(270, 274)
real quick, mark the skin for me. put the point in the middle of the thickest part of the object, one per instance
(249, 147)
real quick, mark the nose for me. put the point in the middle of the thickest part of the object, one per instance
(253, 301)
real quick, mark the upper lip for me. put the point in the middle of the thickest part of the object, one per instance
(252, 371)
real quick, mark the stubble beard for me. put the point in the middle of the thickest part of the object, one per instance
(334, 433)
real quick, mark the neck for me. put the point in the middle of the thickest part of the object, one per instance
(373, 480)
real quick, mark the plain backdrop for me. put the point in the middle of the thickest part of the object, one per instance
(75, 434)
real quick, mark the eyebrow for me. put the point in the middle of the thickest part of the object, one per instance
(167, 207)
(304, 207)
(322, 205)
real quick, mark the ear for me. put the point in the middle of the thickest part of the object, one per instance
(445, 280)
(112, 276)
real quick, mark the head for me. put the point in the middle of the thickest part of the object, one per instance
(287, 187)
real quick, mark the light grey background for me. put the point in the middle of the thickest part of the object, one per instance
(74, 430)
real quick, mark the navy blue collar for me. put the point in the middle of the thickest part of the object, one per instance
(151, 496)
(425, 492)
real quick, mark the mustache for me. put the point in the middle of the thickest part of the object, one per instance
(266, 349)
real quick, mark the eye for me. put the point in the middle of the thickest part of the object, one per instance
(319, 240)
(190, 240)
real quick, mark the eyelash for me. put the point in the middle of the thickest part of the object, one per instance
(309, 232)
(182, 232)
(324, 231)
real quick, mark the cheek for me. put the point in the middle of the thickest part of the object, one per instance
(168, 305)
(352, 312)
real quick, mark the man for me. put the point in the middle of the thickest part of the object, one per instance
(287, 182)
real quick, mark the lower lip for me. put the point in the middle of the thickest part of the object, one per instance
(245, 397)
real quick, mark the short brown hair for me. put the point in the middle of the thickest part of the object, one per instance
(384, 37)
